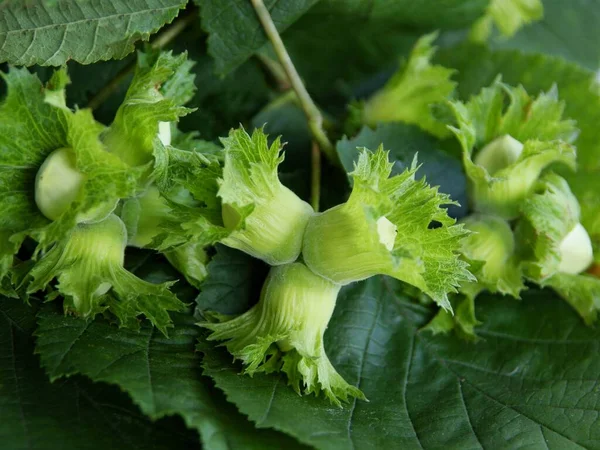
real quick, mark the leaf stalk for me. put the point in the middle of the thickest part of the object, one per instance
(313, 114)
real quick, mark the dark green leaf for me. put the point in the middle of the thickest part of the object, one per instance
(337, 43)
(235, 32)
(224, 103)
(404, 141)
(234, 282)
(49, 34)
(519, 387)
(162, 376)
(568, 29)
(284, 117)
(76, 414)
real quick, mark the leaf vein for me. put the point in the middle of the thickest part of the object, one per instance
(406, 378)
(464, 403)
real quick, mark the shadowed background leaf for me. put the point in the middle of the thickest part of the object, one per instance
(162, 376)
(35, 414)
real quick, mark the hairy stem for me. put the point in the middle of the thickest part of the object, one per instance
(315, 182)
(315, 119)
(162, 39)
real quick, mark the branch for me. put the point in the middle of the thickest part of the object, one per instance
(315, 181)
(162, 39)
(315, 119)
(275, 71)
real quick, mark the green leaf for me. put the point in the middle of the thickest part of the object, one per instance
(161, 84)
(50, 34)
(33, 125)
(566, 30)
(162, 376)
(412, 91)
(364, 38)
(224, 102)
(505, 149)
(265, 218)
(509, 390)
(444, 14)
(508, 16)
(404, 142)
(582, 292)
(347, 242)
(235, 32)
(283, 116)
(549, 214)
(234, 282)
(478, 67)
(38, 415)
(88, 266)
(493, 253)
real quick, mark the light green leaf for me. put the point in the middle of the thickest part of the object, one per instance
(180, 87)
(190, 141)
(509, 390)
(463, 321)
(549, 214)
(38, 415)
(190, 260)
(161, 84)
(409, 95)
(478, 67)
(352, 242)
(265, 218)
(50, 34)
(188, 209)
(485, 117)
(284, 332)
(585, 186)
(508, 16)
(32, 127)
(89, 268)
(493, 253)
(517, 142)
(404, 142)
